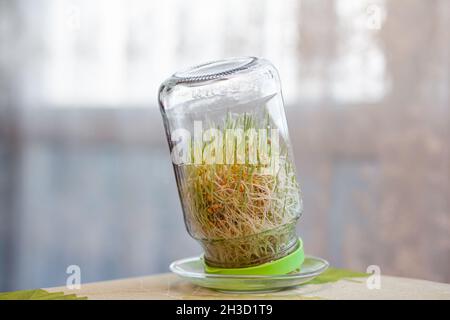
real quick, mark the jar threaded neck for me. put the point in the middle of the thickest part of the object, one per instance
(214, 70)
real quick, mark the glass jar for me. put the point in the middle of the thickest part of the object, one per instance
(227, 133)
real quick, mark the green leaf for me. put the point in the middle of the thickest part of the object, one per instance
(334, 275)
(38, 294)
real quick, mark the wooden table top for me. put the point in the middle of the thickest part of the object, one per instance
(169, 286)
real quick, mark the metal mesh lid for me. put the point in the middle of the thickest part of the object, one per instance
(214, 70)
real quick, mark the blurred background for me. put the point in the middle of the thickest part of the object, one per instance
(85, 172)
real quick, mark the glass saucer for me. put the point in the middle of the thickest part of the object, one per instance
(192, 270)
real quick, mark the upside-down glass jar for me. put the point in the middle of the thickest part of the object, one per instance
(228, 137)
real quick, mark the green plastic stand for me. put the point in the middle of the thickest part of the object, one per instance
(287, 264)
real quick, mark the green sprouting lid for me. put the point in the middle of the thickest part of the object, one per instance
(287, 264)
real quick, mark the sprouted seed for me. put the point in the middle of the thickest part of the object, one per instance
(242, 214)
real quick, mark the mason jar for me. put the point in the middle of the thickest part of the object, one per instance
(228, 137)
